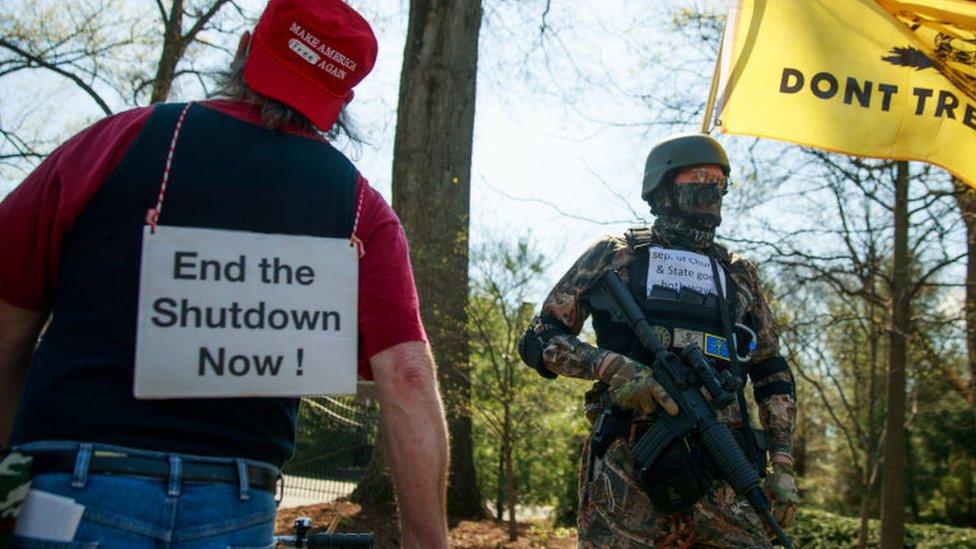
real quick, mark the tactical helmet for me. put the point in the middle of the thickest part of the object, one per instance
(680, 151)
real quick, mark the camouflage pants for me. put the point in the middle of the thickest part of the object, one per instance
(615, 512)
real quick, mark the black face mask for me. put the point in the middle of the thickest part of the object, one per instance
(681, 232)
(699, 203)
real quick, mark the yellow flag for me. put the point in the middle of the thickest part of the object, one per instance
(879, 78)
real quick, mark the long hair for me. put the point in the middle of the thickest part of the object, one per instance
(275, 115)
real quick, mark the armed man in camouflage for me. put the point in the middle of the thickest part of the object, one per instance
(671, 269)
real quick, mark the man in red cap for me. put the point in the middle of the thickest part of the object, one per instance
(117, 460)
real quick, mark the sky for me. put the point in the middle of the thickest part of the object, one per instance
(560, 132)
(545, 145)
(542, 155)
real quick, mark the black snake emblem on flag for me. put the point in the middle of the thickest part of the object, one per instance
(949, 51)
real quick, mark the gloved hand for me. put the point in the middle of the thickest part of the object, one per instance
(633, 387)
(780, 488)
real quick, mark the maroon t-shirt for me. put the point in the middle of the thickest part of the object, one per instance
(37, 215)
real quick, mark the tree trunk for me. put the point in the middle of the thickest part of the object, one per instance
(966, 200)
(911, 482)
(893, 482)
(800, 437)
(376, 487)
(867, 480)
(968, 479)
(500, 486)
(173, 49)
(862, 532)
(509, 474)
(431, 194)
(510, 488)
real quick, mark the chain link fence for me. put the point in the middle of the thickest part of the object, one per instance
(333, 446)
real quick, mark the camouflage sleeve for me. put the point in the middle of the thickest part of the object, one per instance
(772, 380)
(564, 311)
(565, 302)
(778, 415)
(566, 355)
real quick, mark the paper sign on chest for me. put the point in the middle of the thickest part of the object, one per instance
(676, 269)
(236, 314)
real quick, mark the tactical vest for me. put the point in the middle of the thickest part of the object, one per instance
(682, 473)
(676, 317)
(226, 174)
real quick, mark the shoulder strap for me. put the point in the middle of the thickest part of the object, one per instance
(724, 314)
(639, 237)
(721, 253)
(734, 366)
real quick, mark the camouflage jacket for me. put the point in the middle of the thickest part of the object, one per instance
(614, 511)
(565, 354)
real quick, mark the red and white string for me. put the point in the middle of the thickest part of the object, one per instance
(152, 216)
(354, 240)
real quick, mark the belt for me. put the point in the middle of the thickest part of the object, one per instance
(261, 478)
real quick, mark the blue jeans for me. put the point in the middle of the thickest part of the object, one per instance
(140, 512)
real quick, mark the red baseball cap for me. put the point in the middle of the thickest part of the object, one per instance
(309, 54)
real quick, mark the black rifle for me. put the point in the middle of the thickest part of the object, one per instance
(696, 416)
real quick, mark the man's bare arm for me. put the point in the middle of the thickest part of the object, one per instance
(415, 438)
(18, 334)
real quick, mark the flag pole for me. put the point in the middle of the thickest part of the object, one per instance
(706, 124)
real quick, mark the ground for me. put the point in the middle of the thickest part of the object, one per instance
(343, 516)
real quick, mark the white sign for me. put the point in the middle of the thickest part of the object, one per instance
(678, 269)
(236, 314)
(48, 517)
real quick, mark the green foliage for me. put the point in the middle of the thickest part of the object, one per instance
(822, 529)
(567, 506)
(943, 457)
(546, 455)
(839, 347)
(541, 419)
